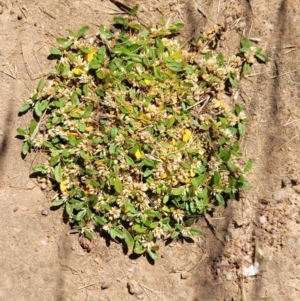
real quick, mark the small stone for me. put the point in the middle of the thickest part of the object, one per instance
(224, 263)
(140, 296)
(134, 288)
(1, 132)
(228, 276)
(185, 275)
(297, 188)
(86, 243)
(42, 128)
(262, 219)
(44, 186)
(1, 10)
(20, 16)
(256, 232)
(105, 285)
(44, 212)
(15, 209)
(35, 24)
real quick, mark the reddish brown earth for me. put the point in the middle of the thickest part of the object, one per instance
(39, 257)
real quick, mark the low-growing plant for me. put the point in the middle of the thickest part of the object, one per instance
(136, 135)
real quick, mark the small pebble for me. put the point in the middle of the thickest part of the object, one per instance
(15, 209)
(134, 288)
(262, 219)
(44, 212)
(43, 186)
(1, 132)
(297, 188)
(228, 276)
(185, 275)
(1, 10)
(140, 296)
(105, 285)
(20, 16)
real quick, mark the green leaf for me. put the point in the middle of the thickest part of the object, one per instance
(38, 109)
(88, 234)
(25, 148)
(175, 234)
(175, 27)
(220, 59)
(57, 202)
(40, 168)
(174, 66)
(69, 209)
(216, 178)
(87, 112)
(246, 68)
(153, 213)
(196, 182)
(231, 167)
(237, 109)
(170, 122)
(208, 55)
(65, 43)
(189, 222)
(233, 82)
(41, 85)
(82, 31)
(24, 108)
(152, 254)
(148, 162)
(85, 90)
(248, 165)
(195, 232)
(138, 249)
(128, 238)
(134, 10)
(21, 132)
(241, 129)
(225, 154)
(262, 57)
(139, 229)
(55, 51)
(129, 160)
(94, 64)
(178, 191)
(245, 45)
(80, 215)
(220, 199)
(100, 220)
(118, 186)
(58, 173)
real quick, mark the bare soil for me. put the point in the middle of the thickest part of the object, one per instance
(40, 257)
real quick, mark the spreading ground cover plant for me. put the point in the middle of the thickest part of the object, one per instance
(135, 134)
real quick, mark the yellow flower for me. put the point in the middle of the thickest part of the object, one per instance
(89, 56)
(192, 174)
(187, 136)
(165, 175)
(144, 117)
(138, 154)
(77, 71)
(63, 186)
(147, 82)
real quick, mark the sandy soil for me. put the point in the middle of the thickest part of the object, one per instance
(41, 258)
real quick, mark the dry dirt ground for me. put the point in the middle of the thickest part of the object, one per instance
(39, 257)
